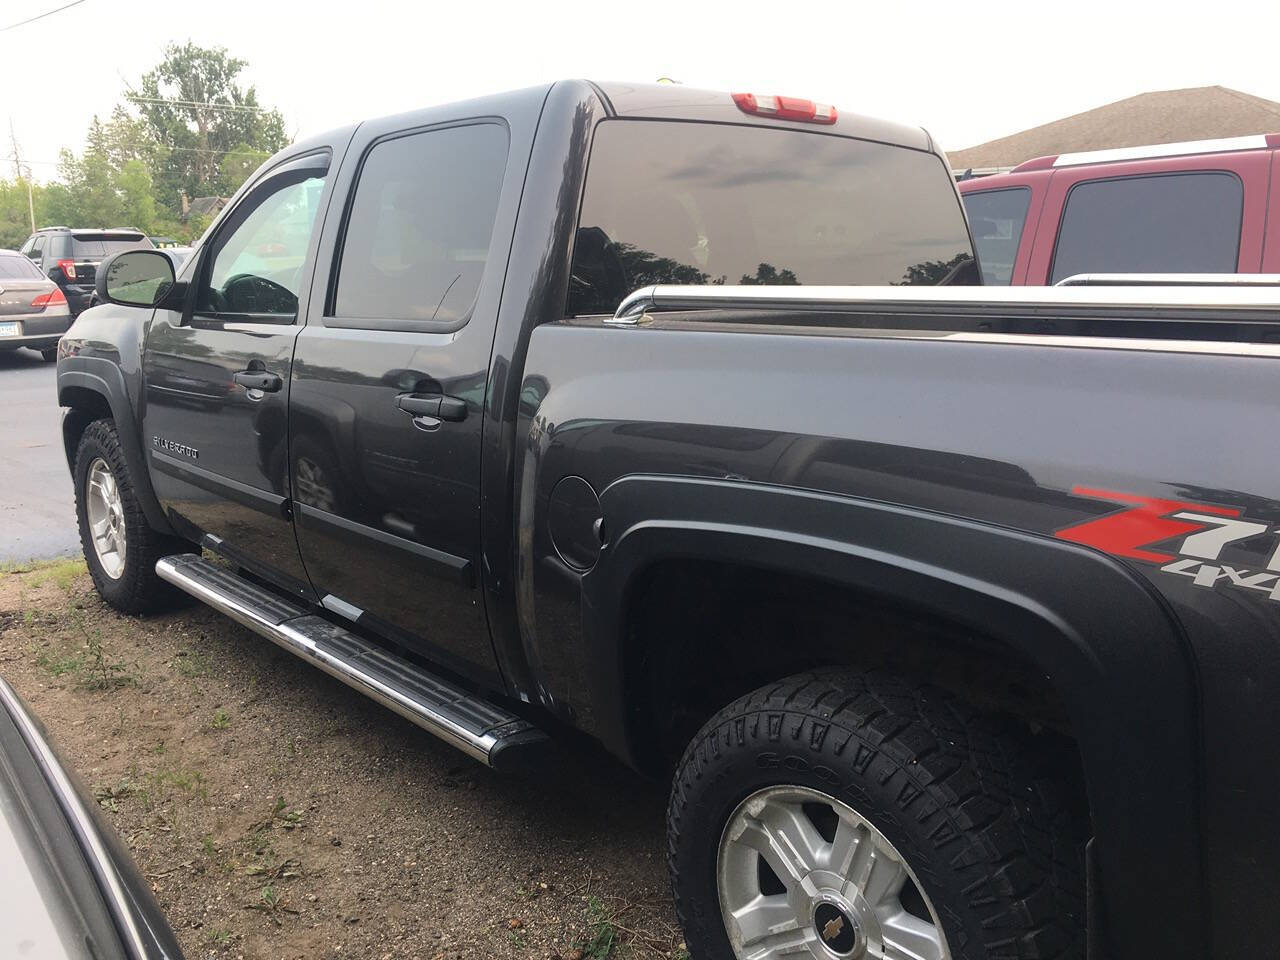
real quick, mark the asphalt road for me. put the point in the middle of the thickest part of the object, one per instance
(37, 511)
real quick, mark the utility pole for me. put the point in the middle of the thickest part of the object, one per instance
(18, 174)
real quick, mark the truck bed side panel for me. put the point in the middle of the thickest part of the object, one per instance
(1045, 440)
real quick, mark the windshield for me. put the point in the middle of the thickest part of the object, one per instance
(695, 203)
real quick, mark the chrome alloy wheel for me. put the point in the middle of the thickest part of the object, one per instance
(800, 873)
(105, 513)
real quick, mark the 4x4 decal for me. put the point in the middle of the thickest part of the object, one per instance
(1205, 530)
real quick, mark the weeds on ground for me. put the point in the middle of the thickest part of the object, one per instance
(271, 902)
(109, 797)
(601, 936)
(59, 666)
(192, 663)
(188, 781)
(220, 937)
(62, 572)
(221, 719)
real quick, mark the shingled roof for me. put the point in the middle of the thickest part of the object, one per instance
(1165, 116)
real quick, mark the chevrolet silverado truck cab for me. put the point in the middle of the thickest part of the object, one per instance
(675, 418)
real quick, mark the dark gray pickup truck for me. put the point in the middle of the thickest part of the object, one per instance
(669, 417)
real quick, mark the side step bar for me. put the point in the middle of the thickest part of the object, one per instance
(476, 727)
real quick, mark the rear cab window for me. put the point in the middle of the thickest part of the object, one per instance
(997, 219)
(670, 202)
(1165, 223)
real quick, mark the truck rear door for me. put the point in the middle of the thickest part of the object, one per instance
(390, 374)
(1203, 214)
(217, 374)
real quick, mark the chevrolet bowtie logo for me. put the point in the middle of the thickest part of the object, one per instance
(832, 928)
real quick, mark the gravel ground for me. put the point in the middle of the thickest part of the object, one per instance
(279, 815)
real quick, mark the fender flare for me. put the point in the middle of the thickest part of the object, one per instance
(1101, 634)
(104, 378)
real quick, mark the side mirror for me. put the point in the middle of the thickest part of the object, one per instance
(135, 278)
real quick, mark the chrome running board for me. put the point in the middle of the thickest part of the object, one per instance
(475, 726)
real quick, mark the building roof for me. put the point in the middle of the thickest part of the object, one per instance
(204, 206)
(1165, 116)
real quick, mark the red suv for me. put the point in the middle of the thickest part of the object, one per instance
(1211, 206)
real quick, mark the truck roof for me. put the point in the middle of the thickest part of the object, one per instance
(671, 101)
(1153, 151)
(678, 102)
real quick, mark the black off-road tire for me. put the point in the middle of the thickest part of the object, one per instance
(137, 589)
(994, 838)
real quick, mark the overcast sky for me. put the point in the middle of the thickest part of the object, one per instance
(969, 72)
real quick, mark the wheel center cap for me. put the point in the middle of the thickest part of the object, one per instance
(837, 928)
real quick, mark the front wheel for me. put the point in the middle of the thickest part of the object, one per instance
(842, 815)
(120, 548)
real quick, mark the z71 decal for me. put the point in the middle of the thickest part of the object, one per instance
(1138, 532)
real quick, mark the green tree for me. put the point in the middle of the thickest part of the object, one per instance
(197, 113)
(769, 275)
(133, 184)
(15, 217)
(237, 165)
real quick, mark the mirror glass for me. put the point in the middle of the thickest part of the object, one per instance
(139, 278)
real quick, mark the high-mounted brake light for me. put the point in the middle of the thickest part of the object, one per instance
(50, 299)
(68, 268)
(785, 108)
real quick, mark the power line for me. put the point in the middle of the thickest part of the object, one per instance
(196, 103)
(47, 13)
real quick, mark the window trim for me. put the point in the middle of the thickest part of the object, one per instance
(321, 159)
(1199, 171)
(1017, 246)
(328, 316)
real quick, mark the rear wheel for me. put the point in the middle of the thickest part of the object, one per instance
(840, 815)
(120, 548)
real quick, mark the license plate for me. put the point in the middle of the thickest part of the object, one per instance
(11, 329)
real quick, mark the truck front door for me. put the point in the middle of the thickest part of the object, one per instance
(217, 376)
(389, 379)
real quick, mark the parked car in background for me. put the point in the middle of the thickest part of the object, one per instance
(68, 890)
(70, 257)
(1208, 206)
(33, 311)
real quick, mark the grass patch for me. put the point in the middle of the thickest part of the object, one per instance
(60, 666)
(600, 938)
(62, 572)
(188, 781)
(221, 719)
(192, 663)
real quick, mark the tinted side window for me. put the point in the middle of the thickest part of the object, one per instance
(1177, 223)
(37, 251)
(996, 218)
(418, 232)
